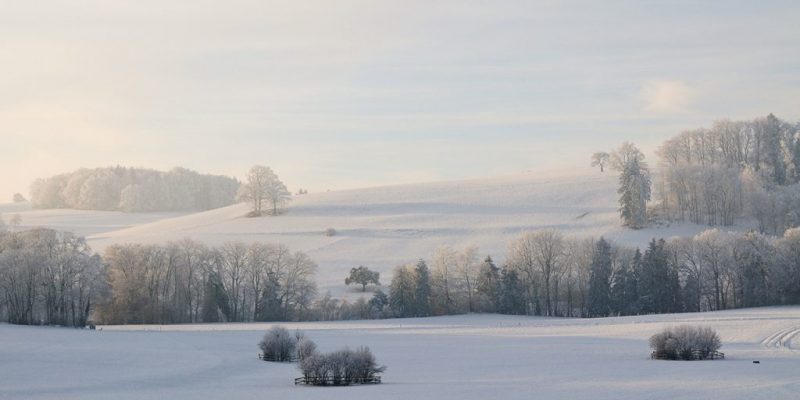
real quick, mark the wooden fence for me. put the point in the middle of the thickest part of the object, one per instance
(262, 357)
(693, 355)
(337, 382)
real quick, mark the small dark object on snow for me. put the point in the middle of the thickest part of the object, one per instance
(756, 362)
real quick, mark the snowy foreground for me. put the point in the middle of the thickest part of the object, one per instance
(461, 357)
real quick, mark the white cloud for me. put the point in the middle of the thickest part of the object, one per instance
(667, 96)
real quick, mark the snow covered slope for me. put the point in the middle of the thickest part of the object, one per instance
(459, 357)
(382, 227)
(81, 222)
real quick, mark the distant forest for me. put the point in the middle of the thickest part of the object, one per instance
(134, 190)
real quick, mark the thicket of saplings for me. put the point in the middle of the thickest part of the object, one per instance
(338, 368)
(686, 342)
(49, 277)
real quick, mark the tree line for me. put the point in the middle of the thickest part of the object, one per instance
(49, 277)
(53, 278)
(548, 274)
(134, 190)
(188, 282)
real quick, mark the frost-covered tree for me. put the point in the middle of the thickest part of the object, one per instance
(401, 291)
(362, 276)
(488, 286)
(659, 284)
(263, 186)
(48, 277)
(786, 269)
(601, 159)
(600, 280)
(634, 185)
(468, 268)
(540, 255)
(443, 280)
(378, 304)
(278, 344)
(422, 289)
(753, 256)
(305, 348)
(512, 298)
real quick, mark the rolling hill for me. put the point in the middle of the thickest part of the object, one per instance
(382, 227)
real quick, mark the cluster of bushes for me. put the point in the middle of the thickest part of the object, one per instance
(342, 367)
(280, 345)
(685, 343)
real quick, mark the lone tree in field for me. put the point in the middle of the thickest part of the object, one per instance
(263, 186)
(279, 345)
(686, 342)
(362, 276)
(601, 159)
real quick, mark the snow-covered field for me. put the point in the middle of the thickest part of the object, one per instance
(459, 357)
(383, 227)
(81, 222)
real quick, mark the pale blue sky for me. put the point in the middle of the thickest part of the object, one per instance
(339, 94)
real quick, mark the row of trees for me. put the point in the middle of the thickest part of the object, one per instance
(734, 169)
(190, 282)
(50, 277)
(134, 190)
(47, 277)
(548, 274)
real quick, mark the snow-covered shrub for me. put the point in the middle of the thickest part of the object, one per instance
(306, 348)
(278, 345)
(685, 342)
(343, 367)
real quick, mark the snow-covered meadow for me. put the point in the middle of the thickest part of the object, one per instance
(458, 357)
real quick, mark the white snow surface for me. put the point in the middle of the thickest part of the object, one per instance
(457, 357)
(81, 222)
(382, 227)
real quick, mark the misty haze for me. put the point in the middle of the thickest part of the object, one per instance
(416, 200)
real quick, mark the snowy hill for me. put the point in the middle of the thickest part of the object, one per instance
(382, 227)
(458, 357)
(81, 222)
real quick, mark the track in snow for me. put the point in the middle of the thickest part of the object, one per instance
(782, 339)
